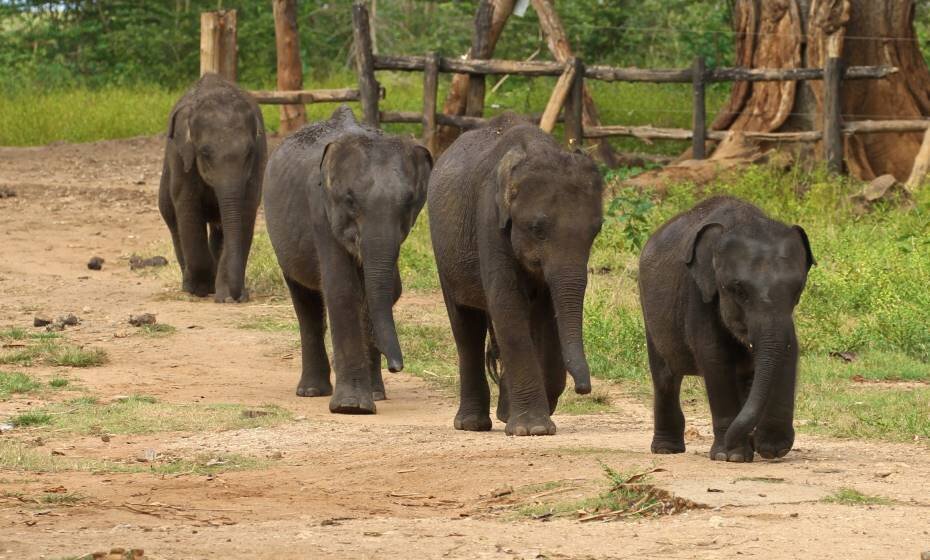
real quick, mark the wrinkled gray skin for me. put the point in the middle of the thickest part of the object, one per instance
(340, 198)
(512, 218)
(212, 179)
(718, 286)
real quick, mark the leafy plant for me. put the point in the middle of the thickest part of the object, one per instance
(629, 209)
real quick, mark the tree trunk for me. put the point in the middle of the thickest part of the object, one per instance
(458, 89)
(805, 33)
(290, 71)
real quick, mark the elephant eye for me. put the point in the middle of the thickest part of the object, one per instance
(205, 152)
(737, 289)
(539, 229)
(351, 204)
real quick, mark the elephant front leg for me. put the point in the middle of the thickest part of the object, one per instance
(311, 315)
(469, 327)
(198, 269)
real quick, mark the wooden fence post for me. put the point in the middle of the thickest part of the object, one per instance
(474, 100)
(218, 49)
(290, 71)
(430, 90)
(557, 99)
(832, 114)
(365, 65)
(574, 109)
(699, 113)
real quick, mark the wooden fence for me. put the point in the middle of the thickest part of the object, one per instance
(567, 95)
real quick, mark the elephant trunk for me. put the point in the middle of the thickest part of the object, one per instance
(233, 257)
(379, 262)
(567, 287)
(774, 347)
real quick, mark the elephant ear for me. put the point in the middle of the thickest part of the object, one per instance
(326, 166)
(807, 246)
(699, 258)
(179, 134)
(424, 168)
(506, 187)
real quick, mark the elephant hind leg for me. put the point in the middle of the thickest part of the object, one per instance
(469, 327)
(311, 315)
(378, 392)
(669, 433)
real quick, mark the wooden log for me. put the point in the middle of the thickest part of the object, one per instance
(559, 94)
(869, 127)
(574, 109)
(466, 66)
(795, 74)
(699, 112)
(654, 133)
(832, 114)
(612, 74)
(557, 40)
(364, 64)
(458, 121)
(430, 90)
(480, 48)
(290, 70)
(218, 49)
(921, 165)
(305, 96)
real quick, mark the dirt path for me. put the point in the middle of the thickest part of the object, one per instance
(401, 484)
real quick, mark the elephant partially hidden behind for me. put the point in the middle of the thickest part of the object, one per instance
(512, 218)
(718, 286)
(340, 198)
(212, 179)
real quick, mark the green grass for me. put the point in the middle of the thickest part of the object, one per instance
(63, 499)
(572, 403)
(12, 383)
(269, 324)
(26, 349)
(58, 383)
(157, 330)
(143, 414)
(852, 497)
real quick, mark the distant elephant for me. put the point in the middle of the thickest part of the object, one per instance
(718, 286)
(512, 218)
(212, 178)
(340, 199)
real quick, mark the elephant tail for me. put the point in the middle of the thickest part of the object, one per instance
(492, 356)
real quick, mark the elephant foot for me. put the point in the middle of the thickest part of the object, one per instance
(314, 388)
(772, 444)
(377, 395)
(352, 402)
(741, 454)
(528, 424)
(662, 446)
(472, 422)
(224, 297)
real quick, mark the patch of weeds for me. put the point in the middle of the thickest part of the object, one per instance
(853, 497)
(429, 352)
(766, 479)
(64, 499)
(58, 382)
(12, 383)
(73, 356)
(51, 350)
(629, 210)
(142, 414)
(573, 403)
(31, 418)
(156, 330)
(269, 324)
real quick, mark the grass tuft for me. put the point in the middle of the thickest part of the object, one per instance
(31, 418)
(12, 383)
(853, 497)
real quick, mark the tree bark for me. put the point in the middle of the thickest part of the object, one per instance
(456, 99)
(290, 71)
(805, 33)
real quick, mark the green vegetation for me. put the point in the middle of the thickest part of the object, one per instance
(573, 403)
(853, 497)
(58, 383)
(143, 414)
(157, 330)
(12, 383)
(27, 349)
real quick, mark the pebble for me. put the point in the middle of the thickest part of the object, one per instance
(143, 319)
(95, 263)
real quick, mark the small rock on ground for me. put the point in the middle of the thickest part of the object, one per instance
(95, 263)
(136, 262)
(142, 319)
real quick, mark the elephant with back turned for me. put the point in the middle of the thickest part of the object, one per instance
(212, 179)
(340, 198)
(718, 287)
(512, 219)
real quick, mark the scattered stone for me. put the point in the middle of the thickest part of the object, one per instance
(7, 192)
(276, 455)
(143, 319)
(714, 490)
(38, 321)
(58, 452)
(136, 262)
(95, 263)
(251, 413)
(105, 438)
(69, 320)
(925, 555)
(6, 428)
(502, 491)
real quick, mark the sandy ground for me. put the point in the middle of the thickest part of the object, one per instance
(401, 484)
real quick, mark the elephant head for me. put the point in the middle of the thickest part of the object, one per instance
(374, 189)
(552, 211)
(756, 274)
(226, 142)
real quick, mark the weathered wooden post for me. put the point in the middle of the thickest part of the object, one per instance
(699, 113)
(290, 70)
(218, 49)
(481, 48)
(365, 65)
(832, 114)
(560, 93)
(574, 108)
(430, 90)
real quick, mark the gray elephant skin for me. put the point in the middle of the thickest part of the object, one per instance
(718, 286)
(212, 179)
(512, 218)
(340, 198)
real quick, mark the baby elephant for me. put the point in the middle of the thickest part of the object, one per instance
(340, 199)
(512, 218)
(718, 286)
(212, 178)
